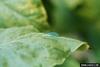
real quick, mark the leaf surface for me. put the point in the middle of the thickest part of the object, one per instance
(22, 13)
(20, 48)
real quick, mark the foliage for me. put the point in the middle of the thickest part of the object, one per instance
(78, 19)
(25, 40)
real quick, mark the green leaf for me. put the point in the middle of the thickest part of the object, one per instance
(74, 44)
(19, 47)
(10, 34)
(70, 62)
(22, 13)
(72, 4)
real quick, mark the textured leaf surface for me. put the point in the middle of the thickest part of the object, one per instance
(20, 48)
(21, 13)
(13, 33)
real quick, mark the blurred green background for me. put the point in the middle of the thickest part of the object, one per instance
(78, 19)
